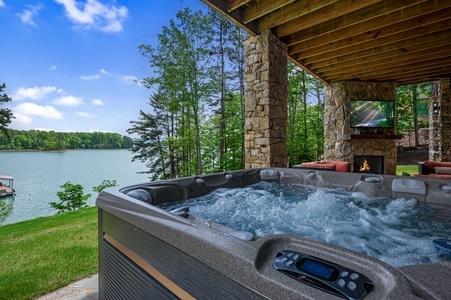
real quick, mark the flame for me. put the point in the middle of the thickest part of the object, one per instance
(365, 167)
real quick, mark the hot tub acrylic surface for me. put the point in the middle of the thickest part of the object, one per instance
(146, 252)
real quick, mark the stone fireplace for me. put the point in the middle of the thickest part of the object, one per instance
(341, 142)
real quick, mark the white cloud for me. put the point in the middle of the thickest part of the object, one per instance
(97, 102)
(30, 109)
(27, 15)
(129, 79)
(103, 71)
(69, 100)
(93, 14)
(34, 93)
(2, 4)
(85, 114)
(20, 119)
(90, 77)
(52, 68)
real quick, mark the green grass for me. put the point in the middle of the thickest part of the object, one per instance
(41, 255)
(408, 169)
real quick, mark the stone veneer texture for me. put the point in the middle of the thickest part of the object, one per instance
(440, 123)
(338, 144)
(266, 101)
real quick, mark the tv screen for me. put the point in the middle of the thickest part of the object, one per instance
(372, 114)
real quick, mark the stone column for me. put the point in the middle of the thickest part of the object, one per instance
(266, 101)
(440, 123)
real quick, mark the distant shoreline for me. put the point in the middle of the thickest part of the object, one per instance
(56, 151)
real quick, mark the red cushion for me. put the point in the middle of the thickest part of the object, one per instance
(444, 176)
(432, 164)
(340, 166)
(319, 165)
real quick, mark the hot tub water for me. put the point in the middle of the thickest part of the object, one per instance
(398, 232)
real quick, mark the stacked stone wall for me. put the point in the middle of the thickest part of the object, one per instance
(338, 144)
(266, 101)
(440, 123)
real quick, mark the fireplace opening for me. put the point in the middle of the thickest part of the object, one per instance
(369, 164)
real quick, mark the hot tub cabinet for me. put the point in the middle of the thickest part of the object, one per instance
(149, 253)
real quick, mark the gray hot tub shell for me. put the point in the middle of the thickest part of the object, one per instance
(149, 253)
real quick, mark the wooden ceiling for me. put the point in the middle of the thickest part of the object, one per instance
(404, 41)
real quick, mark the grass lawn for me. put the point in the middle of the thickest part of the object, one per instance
(41, 255)
(408, 169)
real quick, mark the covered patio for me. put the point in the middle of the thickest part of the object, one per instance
(360, 50)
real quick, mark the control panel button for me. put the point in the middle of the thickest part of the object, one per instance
(344, 274)
(341, 282)
(295, 256)
(354, 276)
(289, 263)
(352, 285)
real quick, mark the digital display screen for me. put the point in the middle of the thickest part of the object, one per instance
(316, 268)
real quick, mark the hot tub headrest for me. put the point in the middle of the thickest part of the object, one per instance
(140, 194)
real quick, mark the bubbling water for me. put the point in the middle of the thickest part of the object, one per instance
(398, 232)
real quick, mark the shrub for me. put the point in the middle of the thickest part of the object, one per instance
(72, 198)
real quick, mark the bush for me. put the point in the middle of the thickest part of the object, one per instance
(72, 198)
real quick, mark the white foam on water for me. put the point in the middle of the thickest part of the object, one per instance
(398, 231)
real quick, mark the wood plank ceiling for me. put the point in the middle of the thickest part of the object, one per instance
(405, 41)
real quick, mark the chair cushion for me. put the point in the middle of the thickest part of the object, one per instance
(432, 164)
(340, 166)
(443, 170)
(319, 165)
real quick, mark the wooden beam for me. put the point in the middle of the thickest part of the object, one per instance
(234, 4)
(385, 62)
(325, 14)
(337, 25)
(292, 11)
(344, 47)
(263, 7)
(236, 16)
(401, 72)
(348, 61)
(371, 31)
(389, 64)
(344, 54)
(423, 76)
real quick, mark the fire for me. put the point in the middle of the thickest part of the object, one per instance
(364, 167)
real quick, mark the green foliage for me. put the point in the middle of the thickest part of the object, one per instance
(196, 117)
(405, 116)
(5, 113)
(305, 140)
(41, 255)
(51, 140)
(5, 209)
(72, 198)
(105, 184)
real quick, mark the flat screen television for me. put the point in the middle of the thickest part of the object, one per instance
(372, 114)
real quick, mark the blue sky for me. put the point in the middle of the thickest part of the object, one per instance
(70, 65)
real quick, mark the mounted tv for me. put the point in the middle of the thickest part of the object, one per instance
(372, 114)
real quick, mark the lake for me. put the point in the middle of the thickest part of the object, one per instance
(39, 175)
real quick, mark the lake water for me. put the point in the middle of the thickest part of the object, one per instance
(39, 175)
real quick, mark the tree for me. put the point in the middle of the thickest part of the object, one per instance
(105, 184)
(5, 113)
(72, 198)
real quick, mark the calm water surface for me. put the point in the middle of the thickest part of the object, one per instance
(39, 175)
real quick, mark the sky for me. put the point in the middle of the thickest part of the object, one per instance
(72, 65)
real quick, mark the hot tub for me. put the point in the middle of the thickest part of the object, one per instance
(146, 252)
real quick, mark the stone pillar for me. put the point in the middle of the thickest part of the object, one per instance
(338, 144)
(266, 101)
(440, 123)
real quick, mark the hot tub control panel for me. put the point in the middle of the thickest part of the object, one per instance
(324, 275)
